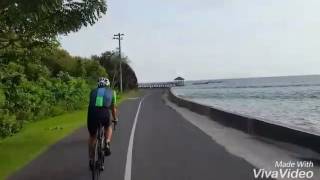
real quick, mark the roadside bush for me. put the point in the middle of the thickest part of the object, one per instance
(72, 91)
(94, 69)
(47, 85)
(58, 109)
(40, 83)
(8, 124)
(2, 97)
(35, 71)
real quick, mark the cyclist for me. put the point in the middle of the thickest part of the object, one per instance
(102, 100)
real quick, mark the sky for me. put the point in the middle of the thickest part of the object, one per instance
(207, 39)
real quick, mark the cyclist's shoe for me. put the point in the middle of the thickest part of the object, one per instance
(102, 168)
(91, 164)
(107, 151)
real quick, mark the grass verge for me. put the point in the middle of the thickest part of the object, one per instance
(36, 137)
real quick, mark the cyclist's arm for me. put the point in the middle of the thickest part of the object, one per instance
(113, 112)
(113, 105)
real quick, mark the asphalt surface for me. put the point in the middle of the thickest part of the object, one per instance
(165, 146)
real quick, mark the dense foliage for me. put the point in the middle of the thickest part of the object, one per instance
(38, 78)
(50, 85)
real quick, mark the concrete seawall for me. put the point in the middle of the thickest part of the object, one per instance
(253, 126)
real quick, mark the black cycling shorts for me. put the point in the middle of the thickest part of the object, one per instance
(96, 115)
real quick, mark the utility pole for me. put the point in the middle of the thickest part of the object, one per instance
(119, 38)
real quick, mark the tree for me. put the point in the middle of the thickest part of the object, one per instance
(111, 61)
(30, 23)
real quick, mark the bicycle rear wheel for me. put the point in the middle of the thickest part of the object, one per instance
(96, 166)
(101, 150)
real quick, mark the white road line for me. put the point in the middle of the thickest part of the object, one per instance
(127, 175)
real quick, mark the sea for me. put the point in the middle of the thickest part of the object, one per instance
(291, 101)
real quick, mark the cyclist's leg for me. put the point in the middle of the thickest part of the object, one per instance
(107, 135)
(92, 125)
(108, 128)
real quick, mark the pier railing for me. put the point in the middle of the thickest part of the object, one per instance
(161, 84)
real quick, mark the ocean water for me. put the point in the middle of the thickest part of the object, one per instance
(292, 101)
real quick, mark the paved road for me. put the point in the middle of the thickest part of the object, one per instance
(165, 147)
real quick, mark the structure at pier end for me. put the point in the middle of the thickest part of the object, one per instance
(179, 81)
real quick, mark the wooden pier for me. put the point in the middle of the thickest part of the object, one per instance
(179, 81)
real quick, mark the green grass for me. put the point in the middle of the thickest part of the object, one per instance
(36, 137)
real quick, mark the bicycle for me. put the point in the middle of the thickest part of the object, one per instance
(98, 160)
